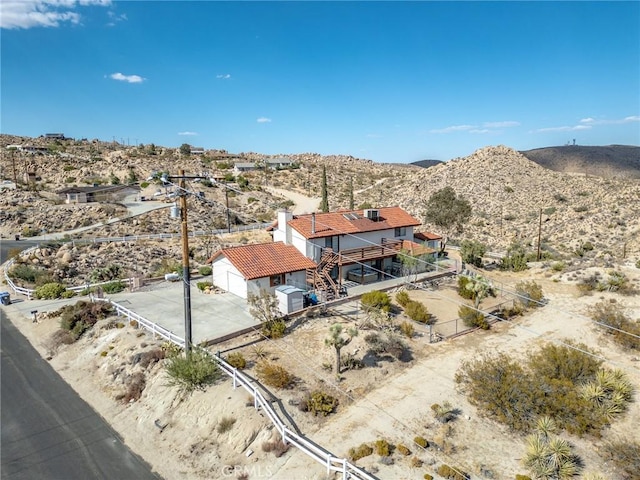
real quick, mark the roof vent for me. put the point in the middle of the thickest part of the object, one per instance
(372, 214)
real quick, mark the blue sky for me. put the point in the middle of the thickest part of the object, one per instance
(387, 81)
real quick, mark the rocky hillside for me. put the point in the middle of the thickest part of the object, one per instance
(609, 161)
(506, 189)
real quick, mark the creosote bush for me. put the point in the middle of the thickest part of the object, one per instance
(236, 360)
(356, 453)
(50, 291)
(383, 448)
(417, 311)
(452, 473)
(192, 372)
(530, 294)
(376, 300)
(407, 329)
(612, 315)
(403, 450)
(273, 374)
(80, 317)
(274, 329)
(319, 403)
(551, 381)
(402, 298)
(421, 441)
(473, 317)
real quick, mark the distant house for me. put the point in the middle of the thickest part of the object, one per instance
(429, 239)
(277, 163)
(100, 193)
(244, 167)
(197, 151)
(357, 245)
(248, 269)
(54, 136)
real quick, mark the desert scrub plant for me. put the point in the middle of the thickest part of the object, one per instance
(403, 450)
(421, 441)
(274, 329)
(202, 286)
(558, 266)
(236, 360)
(624, 453)
(194, 371)
(402, 298)
(407, 329)
(529, 294)
(444, 413)
(105, 274)
(338, 341)
(610, 392)
(522, 477)
(426, 476)
(80, 317)
(361, 451)
(452, 473)
(417, 312)
(383, 343)
(277, 447)
(225, 424)
(50, 291)
(516, 258)
(319, 403)
(472, 252)
(376, 300)
(624, 331)
(382, 447)
(115, 286)
(24, 272)
(273, 374)
(473, 317)
(204, 270)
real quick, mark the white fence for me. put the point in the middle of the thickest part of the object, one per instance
(319, 454)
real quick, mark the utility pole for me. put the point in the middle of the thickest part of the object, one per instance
(226, 196)
(539, 234)
(186, 274)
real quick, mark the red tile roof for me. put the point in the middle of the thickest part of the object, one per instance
(265, 259)
(337, 223)
(416, 249)
(426, 236)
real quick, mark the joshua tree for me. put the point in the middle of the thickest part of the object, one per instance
(337, 341)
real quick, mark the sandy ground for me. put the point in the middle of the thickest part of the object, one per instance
(391, 400)
(303, 204)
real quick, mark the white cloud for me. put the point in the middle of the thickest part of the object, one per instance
(587, 120)
(42, 13)
(454, 128)
(501, 124)
(562, 129)
(593, 121)
(188, 134)
(224, 76)
(263, 120)
(483, 130)
(127, 78)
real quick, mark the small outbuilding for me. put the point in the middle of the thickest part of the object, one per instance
(290, 299)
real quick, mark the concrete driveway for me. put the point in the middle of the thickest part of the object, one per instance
(212, 316)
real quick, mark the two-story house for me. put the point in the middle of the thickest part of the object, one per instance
(357, 245)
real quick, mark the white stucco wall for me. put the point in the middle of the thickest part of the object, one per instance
(228, 278)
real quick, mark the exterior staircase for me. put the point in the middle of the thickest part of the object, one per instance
(320, 277)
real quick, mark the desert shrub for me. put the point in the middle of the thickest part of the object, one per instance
(68, 294)
(148, 358)
(382, 448)
(116, 286)
(350, 362)
(191, 372)
(225, 424)
(376, 300)
(561, 362)
(513, 310)
(624, 453)
(421, 441)
(558, 266)
(444, 413)
(402, 298)
(463, 291)
(204, 270)
(80, 317)
(638, 264)
(386, 343)
(356, 453)
(516, 258)
(559, 197)
(277, 447)
(273, 375)
(320, 403)
(522, 477)
(407, 329)
(610, 392)
(472, 252)
(530, 293)
(453, 473)
(403, 450)
(24, 272)
(427, 476)
(236, 360)
(472, 317)
(386, 460)
(105, 274)
(50, 291)
(58, 338)
(274, 328)
(202, 286)
(616, 282)
(135, 385)
(144, 184)
(625, 331)
(417, 311)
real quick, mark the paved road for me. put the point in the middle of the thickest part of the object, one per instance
(48, 431)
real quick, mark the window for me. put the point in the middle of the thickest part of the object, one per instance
(276, 280)
(400, 231)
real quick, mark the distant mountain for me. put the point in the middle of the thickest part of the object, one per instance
(606, 161)
(426, 163)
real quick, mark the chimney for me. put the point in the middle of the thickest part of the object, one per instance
(283, 232)
(313, 223)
